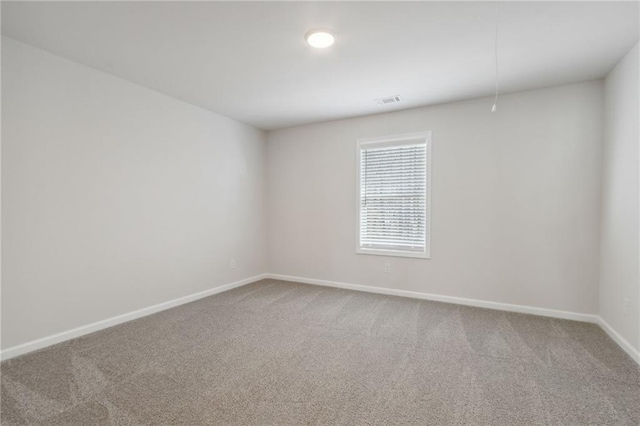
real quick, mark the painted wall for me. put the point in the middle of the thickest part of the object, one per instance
(116, 197)
(515, 197)
(619, 272)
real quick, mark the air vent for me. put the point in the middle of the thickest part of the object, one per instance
(389, 100)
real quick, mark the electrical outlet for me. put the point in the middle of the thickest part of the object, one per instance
(233, 264)
(387, 268)
(625, 306)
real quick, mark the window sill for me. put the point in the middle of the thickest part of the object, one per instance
(394, 253)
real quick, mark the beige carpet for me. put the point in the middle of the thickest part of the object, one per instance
(278, 353)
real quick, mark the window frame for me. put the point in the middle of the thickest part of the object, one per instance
(396, 140)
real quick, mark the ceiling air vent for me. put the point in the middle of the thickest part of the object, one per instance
(388, 100)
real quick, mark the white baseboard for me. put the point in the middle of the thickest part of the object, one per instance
(575, 316)
(621, 341)
(99, 325)
(109, 322)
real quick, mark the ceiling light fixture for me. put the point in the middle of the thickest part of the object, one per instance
(320, 38)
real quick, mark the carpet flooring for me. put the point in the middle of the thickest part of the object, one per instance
(281, 353)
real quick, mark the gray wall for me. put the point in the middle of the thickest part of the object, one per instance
(515, 199)
(619, 276)
(115, 197)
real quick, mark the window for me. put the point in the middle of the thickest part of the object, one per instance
(394, 195)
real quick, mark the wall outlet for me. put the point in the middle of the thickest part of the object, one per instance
(232, 264)
(387, 268)
(625, 305)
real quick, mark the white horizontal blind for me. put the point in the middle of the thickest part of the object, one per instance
(393, 196)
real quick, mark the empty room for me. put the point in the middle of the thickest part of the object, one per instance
(320, 213)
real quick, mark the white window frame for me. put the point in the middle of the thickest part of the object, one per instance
(391, 141)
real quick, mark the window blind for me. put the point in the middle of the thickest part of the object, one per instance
(393, 196)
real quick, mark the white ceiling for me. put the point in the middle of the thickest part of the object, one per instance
(249, 61)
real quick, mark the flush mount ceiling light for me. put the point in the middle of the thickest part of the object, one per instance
(320, 38)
